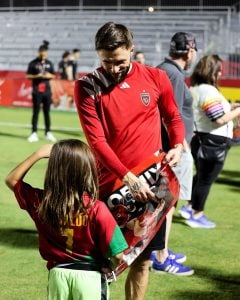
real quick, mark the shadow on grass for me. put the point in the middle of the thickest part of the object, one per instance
(231, 178)
(78, 134)
(18, 136)
(234, 185)
(20, 238)
(231, 174)
(179, 220)
(224, 286)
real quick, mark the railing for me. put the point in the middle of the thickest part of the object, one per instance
(116, 4)
(227, 7)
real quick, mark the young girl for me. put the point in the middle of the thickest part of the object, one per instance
(77, 233)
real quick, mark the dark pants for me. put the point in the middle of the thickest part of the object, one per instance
(206, 174)
(158, 242)
(45, 100)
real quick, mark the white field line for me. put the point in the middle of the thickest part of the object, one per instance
(18, 125)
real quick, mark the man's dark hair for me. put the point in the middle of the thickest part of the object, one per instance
(112, 36)
(138, 52)
(76, 50)
(65, 54)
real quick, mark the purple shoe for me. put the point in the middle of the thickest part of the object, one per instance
(172, 267)
(185, 212)
(178, 257)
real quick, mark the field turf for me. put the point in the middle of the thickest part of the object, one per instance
(214, 254)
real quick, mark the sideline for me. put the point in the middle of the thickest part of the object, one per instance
(18, 125)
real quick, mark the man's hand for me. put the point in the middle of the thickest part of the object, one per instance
(138, 188)
(48, 75)
(174, 155)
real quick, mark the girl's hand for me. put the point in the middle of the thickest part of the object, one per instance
(21, 170)
(44, 151)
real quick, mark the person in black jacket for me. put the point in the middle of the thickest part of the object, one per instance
(41, 71)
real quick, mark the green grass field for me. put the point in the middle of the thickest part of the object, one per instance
(214, 254)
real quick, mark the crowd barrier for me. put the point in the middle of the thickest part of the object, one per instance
(16, 90)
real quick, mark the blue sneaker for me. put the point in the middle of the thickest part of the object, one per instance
(201, 222)
(172, 267)
(178, 257)
(185, 212)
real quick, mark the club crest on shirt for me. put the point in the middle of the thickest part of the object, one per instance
(145, 97)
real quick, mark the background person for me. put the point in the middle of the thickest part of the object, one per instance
(65, 70)
(64, 67)
(213, 117)
(77, 233)
(75, 55)
(120, 105)
(182, 54)
(41, 71)
(139, 57)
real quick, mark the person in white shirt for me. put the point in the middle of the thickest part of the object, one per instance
(213, 116)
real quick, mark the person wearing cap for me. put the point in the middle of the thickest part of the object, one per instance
(41, 71)
(182, 55)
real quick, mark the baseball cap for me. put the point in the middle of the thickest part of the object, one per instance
(181, 42)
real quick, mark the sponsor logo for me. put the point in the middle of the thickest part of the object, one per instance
(125, 86)
(25, 91)
(145, 97)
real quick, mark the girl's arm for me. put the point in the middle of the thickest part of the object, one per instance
(21, 170)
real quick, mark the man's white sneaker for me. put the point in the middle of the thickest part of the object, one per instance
(33, 138)
(50, 137)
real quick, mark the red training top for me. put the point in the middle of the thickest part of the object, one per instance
(122, 121)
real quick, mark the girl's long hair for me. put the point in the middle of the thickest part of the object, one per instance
(207, 70)
(70, 174)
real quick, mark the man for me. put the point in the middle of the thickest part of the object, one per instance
(64, 68)
(120, 106)
(75, 55)
(139, 57)
(41, 71)
(182, 54)
(65, 71)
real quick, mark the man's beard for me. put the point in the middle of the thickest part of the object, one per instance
(120, 76)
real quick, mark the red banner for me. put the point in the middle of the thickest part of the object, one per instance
(18, 92)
